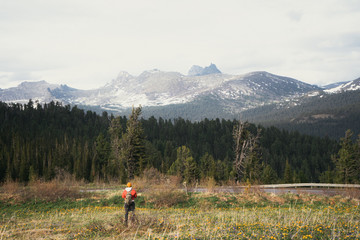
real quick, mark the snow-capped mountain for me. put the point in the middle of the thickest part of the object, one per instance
(155, 88)
(333, 85)
(344, 86)
(40, 91)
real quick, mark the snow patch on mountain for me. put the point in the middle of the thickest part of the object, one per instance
(346, 86)
(40, 90)
(234, 93)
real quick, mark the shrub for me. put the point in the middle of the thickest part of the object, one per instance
(39, 190)
(10, 190)
(51, 191)
(352, 193)
(152, 178)
(158, 189)
(160, 198)
(209, 183)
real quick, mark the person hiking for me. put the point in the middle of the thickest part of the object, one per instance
(129, 194)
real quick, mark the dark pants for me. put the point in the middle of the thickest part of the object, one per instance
(129, 208)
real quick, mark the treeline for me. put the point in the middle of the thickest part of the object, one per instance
(324, 115)
(37, 141)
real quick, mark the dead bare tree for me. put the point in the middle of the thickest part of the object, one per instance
(245, 143)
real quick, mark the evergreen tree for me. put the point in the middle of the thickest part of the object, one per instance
(327, 176)
(252, 166)
(24, 167)
(288, 175)
(222, 171)
(101, 157)
(133, 145)
(207, 166)
(153, 157)
(345, 161)
(184, 165)
(190, 170)
(269, 175)
(177, 167)
(357, 158)
(46, 139)
(116, 165)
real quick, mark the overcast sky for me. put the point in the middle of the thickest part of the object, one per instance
(86, 43)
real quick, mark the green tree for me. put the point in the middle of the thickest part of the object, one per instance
(288, 174)
(153, 157)
(116, 164)
(177, 167)
(100, 158)
(252, 166)
(190, 170)
(357, 158)
(207, 166)
(133, 144)
(345, 161)
(327, 176)
(24, 167)
(269, 175)
(184, 165)
(222, 171)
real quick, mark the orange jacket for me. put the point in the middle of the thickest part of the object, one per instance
(133, 193)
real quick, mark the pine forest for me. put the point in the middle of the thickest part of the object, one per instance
(39, 141)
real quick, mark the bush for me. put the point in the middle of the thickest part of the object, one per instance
(10, 191)
(160, 198)
(52, 191)
(158, 189)
(209, 183)
(352, 193)
(39, 190)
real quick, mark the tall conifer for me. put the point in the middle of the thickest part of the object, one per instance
(133, 145)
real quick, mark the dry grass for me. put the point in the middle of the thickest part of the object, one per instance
(353, 193)
(160, 190)
(38, 190)
(266, 222)
(165, 198)
(53, 190)
(10, 190)
(152, 179)
(246, 218)
(209, 183)
(321, 217)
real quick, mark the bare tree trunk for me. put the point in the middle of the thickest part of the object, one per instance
(244, 145)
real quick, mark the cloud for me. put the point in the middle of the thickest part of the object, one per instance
(295, 15)
(86, 43)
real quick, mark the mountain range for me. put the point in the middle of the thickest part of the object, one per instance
(205, 92)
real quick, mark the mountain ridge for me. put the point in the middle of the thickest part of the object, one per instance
(218, 93)
(156, 88)
(196, 70)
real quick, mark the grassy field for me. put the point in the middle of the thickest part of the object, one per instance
(172, 214)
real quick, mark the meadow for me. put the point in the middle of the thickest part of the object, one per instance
(54, 210)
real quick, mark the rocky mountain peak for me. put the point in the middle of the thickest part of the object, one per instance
(123, 74)
(196, 70)
(154, 88)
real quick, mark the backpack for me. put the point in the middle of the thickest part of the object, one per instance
(128, 198)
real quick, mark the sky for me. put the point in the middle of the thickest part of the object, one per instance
(85, 44)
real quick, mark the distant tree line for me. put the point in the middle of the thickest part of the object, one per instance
(37, 141)
(324, 115)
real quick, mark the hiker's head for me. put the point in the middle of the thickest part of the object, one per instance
(129, 184)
